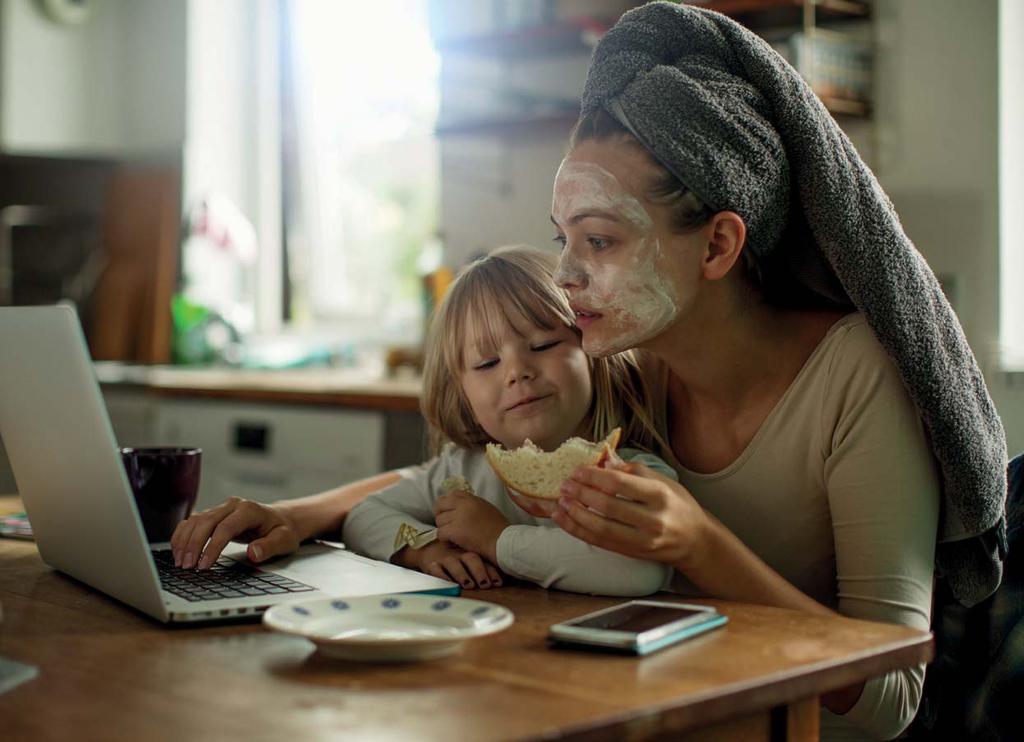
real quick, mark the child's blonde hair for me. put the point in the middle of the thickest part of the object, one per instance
(508, 283)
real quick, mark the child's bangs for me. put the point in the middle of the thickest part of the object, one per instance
(511, 300)
(540, 306)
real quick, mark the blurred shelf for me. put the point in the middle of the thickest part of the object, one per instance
(772, 18)
(850, 107)
(825, 9)
(580, 35)
(565, 38)
(560, 123)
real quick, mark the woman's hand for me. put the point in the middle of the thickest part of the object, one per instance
(469, 522)
(633, 510)
(532, 505)
(449, 562)
(199, 539)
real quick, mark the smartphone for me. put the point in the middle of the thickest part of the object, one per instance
(637, 627)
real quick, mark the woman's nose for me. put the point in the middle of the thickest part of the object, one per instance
(568, 274)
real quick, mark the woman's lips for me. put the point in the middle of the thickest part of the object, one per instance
(585, 318)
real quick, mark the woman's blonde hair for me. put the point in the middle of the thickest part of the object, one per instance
(495, 291)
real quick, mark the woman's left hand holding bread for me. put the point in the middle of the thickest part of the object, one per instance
(633, 510)
(644, 515)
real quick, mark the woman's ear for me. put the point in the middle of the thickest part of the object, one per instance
(726, 233)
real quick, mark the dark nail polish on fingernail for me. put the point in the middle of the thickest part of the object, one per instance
(467, 583)
(485, 583)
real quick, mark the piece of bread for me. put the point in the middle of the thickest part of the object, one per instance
(535, 473)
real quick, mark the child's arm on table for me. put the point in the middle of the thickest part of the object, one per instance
(449, 562)
(371, 527)
(552, 558)
(545, 554)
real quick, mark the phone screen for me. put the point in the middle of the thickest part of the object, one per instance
(636, 618)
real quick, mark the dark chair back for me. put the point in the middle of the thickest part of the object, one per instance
(975, 685)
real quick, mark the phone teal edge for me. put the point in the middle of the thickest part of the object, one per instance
(454, 590)
(678, 636)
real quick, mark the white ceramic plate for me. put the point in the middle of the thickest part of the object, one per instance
(389, 628)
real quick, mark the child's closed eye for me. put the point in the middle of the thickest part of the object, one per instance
(484, 365)
(545, 346)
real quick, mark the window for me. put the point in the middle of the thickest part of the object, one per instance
(1011, 184)
(315, 120)
(360, 163)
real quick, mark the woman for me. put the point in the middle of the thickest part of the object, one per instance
(713, 215)
(807, 479)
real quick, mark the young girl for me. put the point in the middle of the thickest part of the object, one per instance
(504, 363)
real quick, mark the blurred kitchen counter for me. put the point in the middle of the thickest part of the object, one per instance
(269, 434)
(265, 434)
(341, 387)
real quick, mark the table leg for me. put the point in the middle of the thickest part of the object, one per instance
(799, 721)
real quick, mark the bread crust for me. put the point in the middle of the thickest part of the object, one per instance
(609, 445)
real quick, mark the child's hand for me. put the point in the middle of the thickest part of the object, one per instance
(469, 522)
(449, 562)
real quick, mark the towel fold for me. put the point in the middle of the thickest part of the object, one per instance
(728, 116)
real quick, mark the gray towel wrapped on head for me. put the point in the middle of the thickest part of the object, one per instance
(722, 111)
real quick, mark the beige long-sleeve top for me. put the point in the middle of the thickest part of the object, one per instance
(839, 493)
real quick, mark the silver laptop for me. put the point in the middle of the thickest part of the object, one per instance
(68, 469)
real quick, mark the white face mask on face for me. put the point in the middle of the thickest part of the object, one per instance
(626, 286)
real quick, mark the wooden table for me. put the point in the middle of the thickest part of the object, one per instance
(109, 673)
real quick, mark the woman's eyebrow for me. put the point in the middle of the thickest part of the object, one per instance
(596, 213)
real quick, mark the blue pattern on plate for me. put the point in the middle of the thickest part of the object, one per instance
(391, 603)
(441, 605)
(300, 610)
(341, 605)
(480, 611)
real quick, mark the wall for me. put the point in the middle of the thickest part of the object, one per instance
(937, 106)
(113, 85)
(938, 124)
(496, 188)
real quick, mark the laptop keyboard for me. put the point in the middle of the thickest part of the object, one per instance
(225, 579)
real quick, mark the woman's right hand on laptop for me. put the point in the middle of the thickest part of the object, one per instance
(199, 539)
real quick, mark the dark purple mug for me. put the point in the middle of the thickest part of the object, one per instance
(166, 484)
